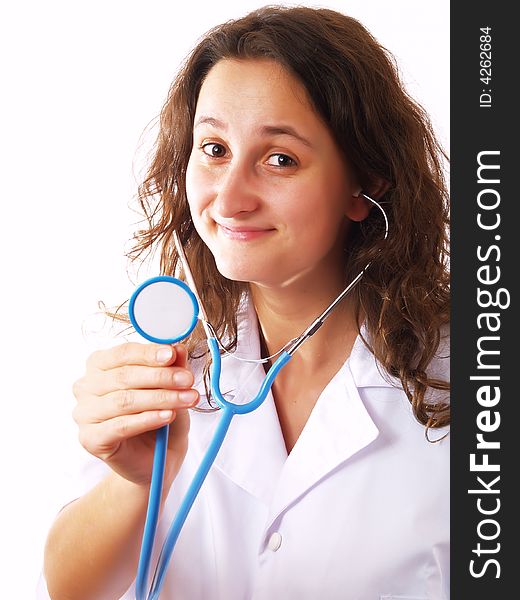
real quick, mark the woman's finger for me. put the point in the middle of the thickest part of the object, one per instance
(131, 401)
(132, 353)
(134, 377)
(104, 439)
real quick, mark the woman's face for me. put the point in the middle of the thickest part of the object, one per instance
(269, 191)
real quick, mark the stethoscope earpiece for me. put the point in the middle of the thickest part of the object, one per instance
(375, 203)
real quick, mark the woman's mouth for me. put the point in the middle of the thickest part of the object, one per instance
(243, 233)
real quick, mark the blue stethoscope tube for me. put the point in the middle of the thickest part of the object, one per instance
(228, 411)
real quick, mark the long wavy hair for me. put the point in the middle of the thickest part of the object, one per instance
(354, 85)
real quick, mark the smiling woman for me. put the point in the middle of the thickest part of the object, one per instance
(277, 131)
(248, 164)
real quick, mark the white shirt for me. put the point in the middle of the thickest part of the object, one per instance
(359, 510)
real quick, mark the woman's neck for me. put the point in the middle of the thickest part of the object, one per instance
(283, 314)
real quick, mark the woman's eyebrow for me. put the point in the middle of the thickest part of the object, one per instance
(206, 120)
(284, 130)
(265, 130)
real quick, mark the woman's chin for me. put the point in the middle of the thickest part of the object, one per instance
(235, 274)
(244, 272)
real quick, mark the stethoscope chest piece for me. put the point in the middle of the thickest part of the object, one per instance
(163, 310)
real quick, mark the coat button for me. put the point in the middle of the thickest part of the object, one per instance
(275, 541)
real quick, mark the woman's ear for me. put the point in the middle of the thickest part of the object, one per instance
(359, 207)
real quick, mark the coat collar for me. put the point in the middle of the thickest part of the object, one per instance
(253, 454)
(365, 369)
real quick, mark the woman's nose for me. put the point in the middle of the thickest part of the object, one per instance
(236, 191)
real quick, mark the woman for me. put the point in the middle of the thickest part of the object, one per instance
(275, 130)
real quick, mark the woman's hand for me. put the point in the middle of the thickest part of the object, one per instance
(127, 393)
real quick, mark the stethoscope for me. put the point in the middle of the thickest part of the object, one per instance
(165, 310)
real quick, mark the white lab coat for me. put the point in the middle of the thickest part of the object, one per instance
(359, 510)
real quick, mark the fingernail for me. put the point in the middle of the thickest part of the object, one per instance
(188, 396)
(165, 415)
(163, 354)
(182, 378)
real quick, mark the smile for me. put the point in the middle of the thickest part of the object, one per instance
(243, 234)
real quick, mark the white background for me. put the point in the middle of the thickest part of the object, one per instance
(80, 81)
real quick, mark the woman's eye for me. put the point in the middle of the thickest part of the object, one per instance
(281, 160)
(214, 150)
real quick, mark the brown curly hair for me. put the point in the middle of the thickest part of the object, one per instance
(354, 86)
